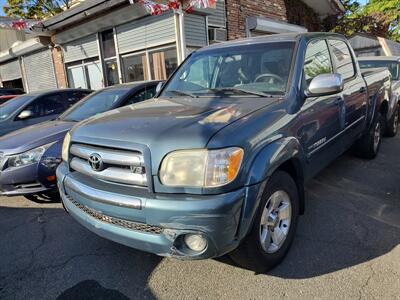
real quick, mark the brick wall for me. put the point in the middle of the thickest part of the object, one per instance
(59, 67)
(292, 11)
(303, 15)
(238, 10)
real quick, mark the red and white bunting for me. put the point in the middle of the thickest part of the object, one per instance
(157, 7)
(18, 24)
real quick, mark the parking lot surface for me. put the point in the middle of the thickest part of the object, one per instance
(347, 246)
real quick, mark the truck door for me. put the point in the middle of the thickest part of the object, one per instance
(354, 93)
(319, 122)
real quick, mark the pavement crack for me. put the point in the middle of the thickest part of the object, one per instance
(365, 285)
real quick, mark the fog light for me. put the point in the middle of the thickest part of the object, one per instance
(195, 242)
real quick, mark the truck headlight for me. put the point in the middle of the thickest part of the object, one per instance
(65, 147)
(27, 158)
(201, 168)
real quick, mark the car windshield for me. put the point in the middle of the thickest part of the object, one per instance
(8, 108)
(94, 104)
(391, 65)
(255, 70)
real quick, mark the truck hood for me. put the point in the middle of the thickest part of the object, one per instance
(34, 136)
(168, 124)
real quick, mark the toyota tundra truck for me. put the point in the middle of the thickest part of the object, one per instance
(217, 162)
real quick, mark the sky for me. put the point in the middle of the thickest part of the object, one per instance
(2, 2)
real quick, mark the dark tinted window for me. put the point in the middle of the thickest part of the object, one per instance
(391, 65)
(317, 60)
(73, 97)
(47, 105)
(142, 95)
(5, 92)
(96, 103)
(343, 59)
(8, 108)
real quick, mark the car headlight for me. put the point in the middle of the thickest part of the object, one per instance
(27, 158)
(201, 168)
(65, 147)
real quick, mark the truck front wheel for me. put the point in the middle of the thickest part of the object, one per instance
(274, 226)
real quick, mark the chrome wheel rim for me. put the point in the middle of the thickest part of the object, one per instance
(377, 136)
(275, 222)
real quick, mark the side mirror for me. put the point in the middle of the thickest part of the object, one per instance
(325, 84)
(159, 87)
(25, 114)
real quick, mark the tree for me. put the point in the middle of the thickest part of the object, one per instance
(35, 9)
(377, 17)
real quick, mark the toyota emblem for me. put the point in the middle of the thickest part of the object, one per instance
(96, 162)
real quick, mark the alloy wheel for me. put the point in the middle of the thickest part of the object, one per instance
(377, 136)
(275, 221)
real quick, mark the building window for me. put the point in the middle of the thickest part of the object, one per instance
(163, 63)
(107, 39)
(109, 57)
(156, 64)
(111, 69)
(135, 67)
(85, 74)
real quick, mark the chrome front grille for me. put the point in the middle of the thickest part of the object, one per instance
(120, 166)
(115, 221)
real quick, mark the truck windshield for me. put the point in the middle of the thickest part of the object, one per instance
(256, 70)
(391, 65)
(8, 108)
(94, 104)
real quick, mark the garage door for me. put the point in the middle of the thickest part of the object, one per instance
(39, 69)
(10, 70)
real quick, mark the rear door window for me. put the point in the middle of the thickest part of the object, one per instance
(73, 97)
(343, 59)
(142, 95)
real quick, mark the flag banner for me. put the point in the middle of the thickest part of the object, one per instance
(155, 7)
(19, 24)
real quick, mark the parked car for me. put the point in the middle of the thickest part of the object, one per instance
(9, 93)
(217, 162)
(31, 155)
(393, 64)
(37, 107)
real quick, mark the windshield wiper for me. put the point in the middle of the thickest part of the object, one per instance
(236, 90)
(183, 93)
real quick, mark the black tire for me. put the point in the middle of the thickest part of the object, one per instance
(250, 254)
(368, 145)
(393, 124)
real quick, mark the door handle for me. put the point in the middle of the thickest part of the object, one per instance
(363, 90)
(339, 100)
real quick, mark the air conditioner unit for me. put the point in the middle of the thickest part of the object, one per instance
(216, 35)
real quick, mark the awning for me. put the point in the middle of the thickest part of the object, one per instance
(25, 47)
(268, 25)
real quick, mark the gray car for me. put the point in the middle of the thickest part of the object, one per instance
(34, 108)
(393, 64)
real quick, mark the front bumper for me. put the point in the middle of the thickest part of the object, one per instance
(154, 223)
(27, 180)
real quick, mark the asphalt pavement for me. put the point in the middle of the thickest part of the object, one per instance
(347, 247)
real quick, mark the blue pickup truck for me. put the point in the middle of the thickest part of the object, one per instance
(217, 162)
